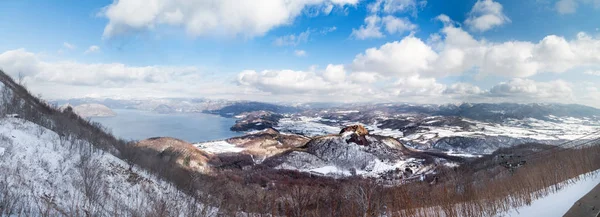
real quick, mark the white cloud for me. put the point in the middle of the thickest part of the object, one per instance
(566, 6)
(371, 28)
(408, 57)
(303, 37)
(207, 17)
(15, 62)
(288, 82)
(327, 9)
(73, 73)
(592, 72)
(69, 46)
(68, 79)
(485, 15)
(364, 77)
(374, 24)
(380, 15)
(300, 53)
(557, 90)
(462, 89)
(416, 86)
(455, 52)
(395, 25)
(510, 59)
(328, 30)
(570, 6)
(293, 39)
(335, 73)
(394, 6)
(92, 49)
(344, 2)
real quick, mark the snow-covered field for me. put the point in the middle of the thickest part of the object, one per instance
(39, 172)
(217, 147)
(558, 203)
(559, 129)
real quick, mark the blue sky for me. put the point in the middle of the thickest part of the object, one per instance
(307, 50)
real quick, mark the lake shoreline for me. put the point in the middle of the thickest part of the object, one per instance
(133, 124)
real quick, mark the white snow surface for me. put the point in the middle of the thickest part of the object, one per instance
(558, 203)
(566, 128)
(217, 147)
(37, 167)
(555, 129)
(306, 126)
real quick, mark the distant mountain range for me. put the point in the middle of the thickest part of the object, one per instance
(490, 112)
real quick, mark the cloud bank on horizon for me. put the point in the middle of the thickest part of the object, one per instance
(313, 50)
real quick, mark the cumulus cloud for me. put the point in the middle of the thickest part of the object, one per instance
(92, 49)
(395, 25)
(485, 15)
(20, 61)
(416, 86)
(371, 28)
(74, 73)
(69, 79)
(374, 24)
(289, 82)
(530, 89)
(455, 51)
(463, 89)
(300, 53)
(408, 57)
(335, 73)
(381, 16)
(331, 84)
(205, 17)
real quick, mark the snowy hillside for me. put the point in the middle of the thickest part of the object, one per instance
(44, 174)
(559, 202)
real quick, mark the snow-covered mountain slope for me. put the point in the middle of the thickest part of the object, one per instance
(43, 174)
(334, 155)
(350, 154)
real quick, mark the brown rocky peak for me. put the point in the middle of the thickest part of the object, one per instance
(358, 129)
(358, 135)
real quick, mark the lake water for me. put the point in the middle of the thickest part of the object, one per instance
(191, 127)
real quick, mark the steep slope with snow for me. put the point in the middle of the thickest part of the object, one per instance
(350, 154)
(43, 173)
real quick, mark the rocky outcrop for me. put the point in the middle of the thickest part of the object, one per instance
(268, 142)
(175, 150)
(358, 129)
(357, 134)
